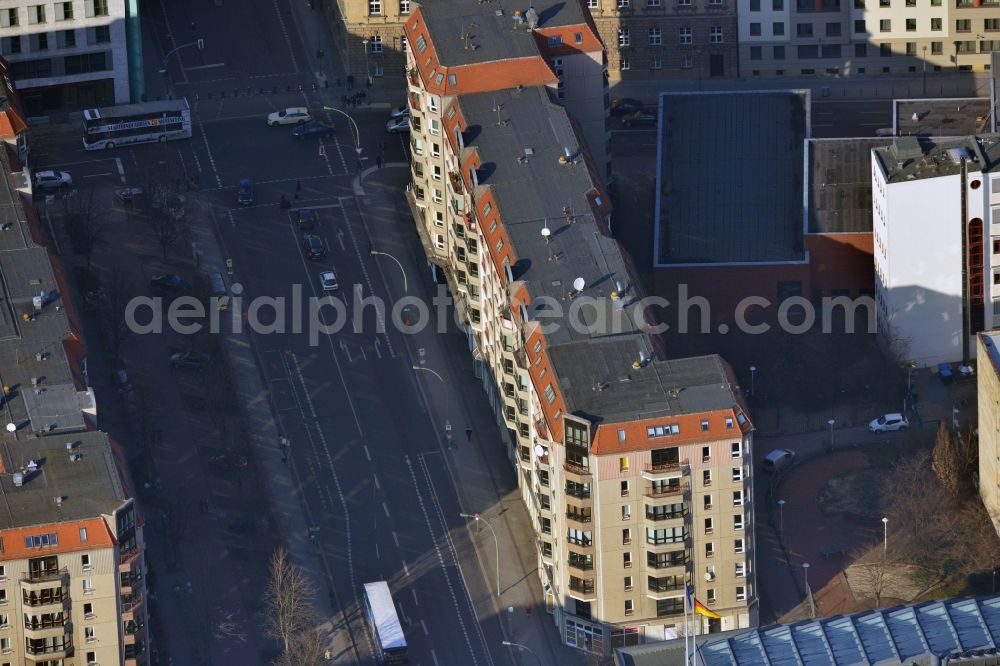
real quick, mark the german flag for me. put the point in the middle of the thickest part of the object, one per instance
(698, 607)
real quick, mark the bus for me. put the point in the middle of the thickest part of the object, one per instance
(384, 623)
(136, 123)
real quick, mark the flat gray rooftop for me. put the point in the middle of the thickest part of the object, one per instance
(942, 117)
(730, 177)
(913, 158)
(840, 184)
(89, 485)
(467, 32)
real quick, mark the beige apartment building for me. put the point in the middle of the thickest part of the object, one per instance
(636, 470)
(849, 37)
(988, 388)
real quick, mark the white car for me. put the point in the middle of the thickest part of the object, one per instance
(328, 281)
(400, 112)
(889, 423)
(52, 180)
(294, 115)
(397, 125)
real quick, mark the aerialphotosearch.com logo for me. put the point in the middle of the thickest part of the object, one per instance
(329, 314)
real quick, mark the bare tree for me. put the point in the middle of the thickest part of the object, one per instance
(176, 519)
(84, 223)
(946, 462)
(871, 574)
(288, 602)
(228, 628)
(113, 306)
(164, 207)
(306, 649)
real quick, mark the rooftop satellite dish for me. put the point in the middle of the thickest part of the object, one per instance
(546, 232)
(579, 284)
(11, 427)
(539, 450)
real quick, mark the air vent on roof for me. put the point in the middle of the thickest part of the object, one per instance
(69, 446)
(58, 500)
(499, 12)
(32, 466)
(75, 457)
(18, 479)
(532, 17)
(956, 155)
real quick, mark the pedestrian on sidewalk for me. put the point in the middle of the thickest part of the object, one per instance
(468, 433)
(378, 161)
(350, 82)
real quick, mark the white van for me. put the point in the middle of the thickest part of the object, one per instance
(777, 460)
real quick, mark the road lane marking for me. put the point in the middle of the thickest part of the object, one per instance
(367, 455)
(288, 41)
(414, 592)
(386, 509)
(97, 175)
(378, 486)
(406, 569)
(377, 553)
(434, 657)
(395, 537)
(424, 626)
(379, 314)
(121, 169)
(211, 66)
(208, 151)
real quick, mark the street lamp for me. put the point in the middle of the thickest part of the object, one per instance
(354, 125)
(830, 423)
(447, 401)
(368, 77)
(496, 542)
(925, 71)
(526, 648)
(809, 594)
(753, 369)
(200, 43)
(375, 253)
(885, 537)
(781, 516)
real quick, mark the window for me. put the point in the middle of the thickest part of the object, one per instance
(91, 657)
(684, 35)
(628, 583)
(628, 606)
(738, 521)
(911, 25)
(550, 394)
(885, 50)
(376, 44)
(715, 34)
(421, 44)
(709, 549)
(627, 560)
(779, 52)
(709, 525)
(435, 150)
(374, 7)
(8, 18)
(3, 596)
(592, 4)
(434, 127)
(31, 69)
(737, 498)
(36, 14)
(738, 546)
(85, 562)
(499, 245)
(64, 11)
(404, 6)
(39, 41)
(741, 569)
(707, 501)
(936, 24)
(622, 4)
(885, 25)
(652, 3)
(626, 536)
(991, 25)
(706, 477)
(623, 37)
(778, 28)
(911, 49)
(737, 474)
(3, 572)
(735, 450)
(859, 26)
(99, 35)
(88, 585)
(755, 5)
(654, 37)
(436, 175)
(963, 25)
(554, 41)
(656, 61)
(624, 487)
(88, 634)
(803, 29)
(5, 645)
(833, 30)
(626, 512)
(778, 5)
(88, 610)
(706, 453)
(66, 39)
(10, 45)
(623, 464)
(95, 8)
(685, 61)
(741, 593)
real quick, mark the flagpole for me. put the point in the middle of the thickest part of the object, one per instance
(688, 595)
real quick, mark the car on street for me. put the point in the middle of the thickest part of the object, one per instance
(625, 105)
(169, 282)
(314, 246)
(889, 423)
(53, 180)
(229, 462)
(289, 116)
(398, 125)
(328, 281)
(245, 194)
(644, 118)
(190, 360)
(313, 129)
(306, 219)
(777, 460)
(400, 112)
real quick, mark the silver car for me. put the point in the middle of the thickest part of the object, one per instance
(52, 180)
(398, 125)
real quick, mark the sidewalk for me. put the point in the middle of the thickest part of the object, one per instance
(487, 482)
(289, 512)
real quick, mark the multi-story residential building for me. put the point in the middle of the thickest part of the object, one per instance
(636, 470)
(369, 35)
(848, 37)
(72, 54)
(13, 127)
(675, 39)
(988, 387)
(936, 286)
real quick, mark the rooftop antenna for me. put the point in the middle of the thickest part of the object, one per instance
(547, 235)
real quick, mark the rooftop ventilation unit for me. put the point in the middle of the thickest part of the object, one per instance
(956, 155)
(58, 500)
(32, 466)
(18, 479)
(532, 17)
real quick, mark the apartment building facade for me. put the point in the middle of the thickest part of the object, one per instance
(988, 398)
(849, 37)
(923, 304)
(612, 460)
(72, 54)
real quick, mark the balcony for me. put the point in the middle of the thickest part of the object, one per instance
(576, 470)
(41, 578)
(662, 546)
(579, 494)
(580, 564)
(580, 543)
(125, 557)
(132, 601)
(414, 102)
(662, 470)
(583, 590)
(50, 652)
(577, 517)
(521, 358)
(665, 518)
(663, 588)
(672, 566)
(56, 598)
(671, 492)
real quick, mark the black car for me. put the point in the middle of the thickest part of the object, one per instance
(169, 282)
(244, 196)
(624, 105)
(306, 219)
(314, 246)
(190, 360)
(644, 118)
(313, 128)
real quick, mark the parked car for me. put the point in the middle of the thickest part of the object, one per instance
(889, 423)
(328, 281)
(644, 118)
(400, 112)
(313, 128)
(190, 360)
(53, 180)
(289, 116)
(169, 282)
(398, 125)
(245, 194)
(944, 372)
(624, 105)
(229, 462)
(314, 246)
(306, 219)
(777, 460)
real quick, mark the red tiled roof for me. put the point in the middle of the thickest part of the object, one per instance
(68, 537)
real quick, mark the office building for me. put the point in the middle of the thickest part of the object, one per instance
(636, 470)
